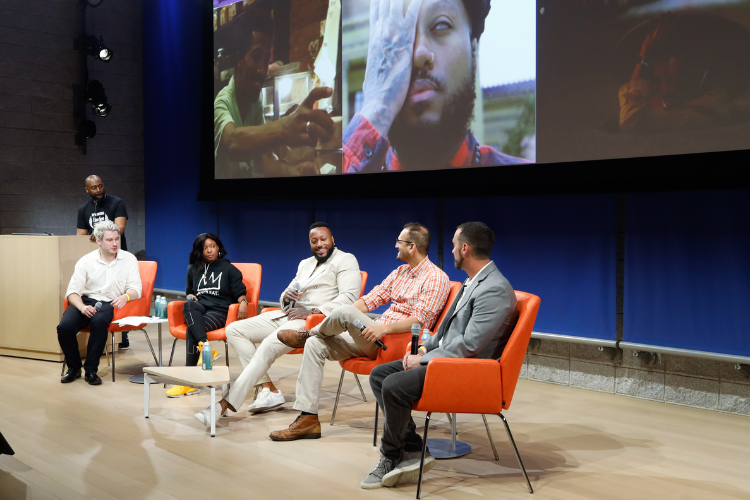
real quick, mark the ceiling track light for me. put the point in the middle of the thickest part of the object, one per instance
(94, 47)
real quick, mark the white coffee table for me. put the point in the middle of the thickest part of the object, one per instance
(193, 376)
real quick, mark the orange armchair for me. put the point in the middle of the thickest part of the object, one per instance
(314, 320)
(138, 307)
(251, 276)
(364, 365)
(492, 383)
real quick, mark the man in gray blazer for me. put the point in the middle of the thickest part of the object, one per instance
(326, 280)
(477, 325)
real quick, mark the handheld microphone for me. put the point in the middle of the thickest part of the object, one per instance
(295, 287)
(361, 327)
(415, 330)
(98, 306)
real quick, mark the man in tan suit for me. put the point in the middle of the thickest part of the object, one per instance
(326, 280)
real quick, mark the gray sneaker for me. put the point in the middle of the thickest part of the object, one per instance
(375, 478)
(407, 470)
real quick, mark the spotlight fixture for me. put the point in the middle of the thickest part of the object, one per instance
(98, 99)
(94, 3)
(86, 130)
(93, 47)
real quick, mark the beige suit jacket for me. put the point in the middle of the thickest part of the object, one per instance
(335, 282)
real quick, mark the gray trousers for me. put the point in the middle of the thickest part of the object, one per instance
(397, 390)
(336, 339)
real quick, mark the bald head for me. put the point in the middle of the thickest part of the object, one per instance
(94, 187)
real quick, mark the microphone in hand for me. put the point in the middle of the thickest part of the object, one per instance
(295, 287)
(361, 327)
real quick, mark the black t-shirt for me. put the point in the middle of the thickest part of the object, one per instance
(91, 213)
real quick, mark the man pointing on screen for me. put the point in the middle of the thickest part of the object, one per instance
(419, 89)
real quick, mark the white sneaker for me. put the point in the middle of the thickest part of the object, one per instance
(407, 470)
(204, 416)
(266, 400)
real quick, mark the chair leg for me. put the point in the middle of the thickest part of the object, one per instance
(515, 449)
(375, 433)
(338, 393)
(62, 372)
(156, 361)
(424, 449)
(489, 436)
(171, 356)
(360, 388)
(113, 356)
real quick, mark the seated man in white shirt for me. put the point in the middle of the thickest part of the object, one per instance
(103, 279)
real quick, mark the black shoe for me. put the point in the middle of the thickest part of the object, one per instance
(93, 379)
(71, 375)
(125, 344)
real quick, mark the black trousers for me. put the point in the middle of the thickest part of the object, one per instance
(199, 322)
(397, 390)
(72, 322)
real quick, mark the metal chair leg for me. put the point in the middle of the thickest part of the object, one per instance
(338, 393)
(375, 433)
(360, 388)
(518, 456)
(489, 436)
(62, 372)
(171, 356)
(113, 356)
(156, 361)
(424, 449)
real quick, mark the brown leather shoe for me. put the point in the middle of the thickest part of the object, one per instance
(305, 427)
(293, 338)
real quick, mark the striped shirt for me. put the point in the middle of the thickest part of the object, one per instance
(419, 292)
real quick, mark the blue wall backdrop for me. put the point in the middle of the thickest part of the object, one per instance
(687, 271)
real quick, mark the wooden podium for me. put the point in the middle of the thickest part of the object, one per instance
(35, 274)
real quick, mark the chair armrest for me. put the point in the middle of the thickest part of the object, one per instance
(174, 313)
(460, 385)
(234, 309)
(314, 320)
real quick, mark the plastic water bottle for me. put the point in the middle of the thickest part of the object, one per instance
(207, 355)
(425, 335)
(157, 307)
(163, 314)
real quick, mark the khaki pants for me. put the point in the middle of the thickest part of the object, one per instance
(337, 339)
(244, 335)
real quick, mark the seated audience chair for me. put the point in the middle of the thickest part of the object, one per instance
(138, 307)
(396, 343)
(492, 383)
(251, 275)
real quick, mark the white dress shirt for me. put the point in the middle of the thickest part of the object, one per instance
(99, 280)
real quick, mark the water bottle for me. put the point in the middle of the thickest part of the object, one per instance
(163, 307)
(425, 335)
(157, 306)
(207, 354)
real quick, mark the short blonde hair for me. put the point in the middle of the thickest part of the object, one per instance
(106, 225)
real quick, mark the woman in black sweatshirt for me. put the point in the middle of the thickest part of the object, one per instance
(212, 284)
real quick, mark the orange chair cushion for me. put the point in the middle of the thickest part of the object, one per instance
(478, 389)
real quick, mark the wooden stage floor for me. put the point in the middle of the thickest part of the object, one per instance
(75, 441)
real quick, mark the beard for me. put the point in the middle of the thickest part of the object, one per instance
(327, 256)
(458, 261)
(431, 145)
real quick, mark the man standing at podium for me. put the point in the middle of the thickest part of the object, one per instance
(103, 279)
(102, 207)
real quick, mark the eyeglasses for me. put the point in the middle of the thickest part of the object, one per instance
(403, 241)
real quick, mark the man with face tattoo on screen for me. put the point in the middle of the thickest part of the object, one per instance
(419, 89)
(243, 141)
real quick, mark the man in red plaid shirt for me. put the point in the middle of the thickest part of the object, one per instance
(417, 292)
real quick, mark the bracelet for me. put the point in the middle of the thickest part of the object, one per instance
(128, 296)
(244, 300)
(422, 347)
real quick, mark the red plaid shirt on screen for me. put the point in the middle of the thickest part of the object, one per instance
(419, 292)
